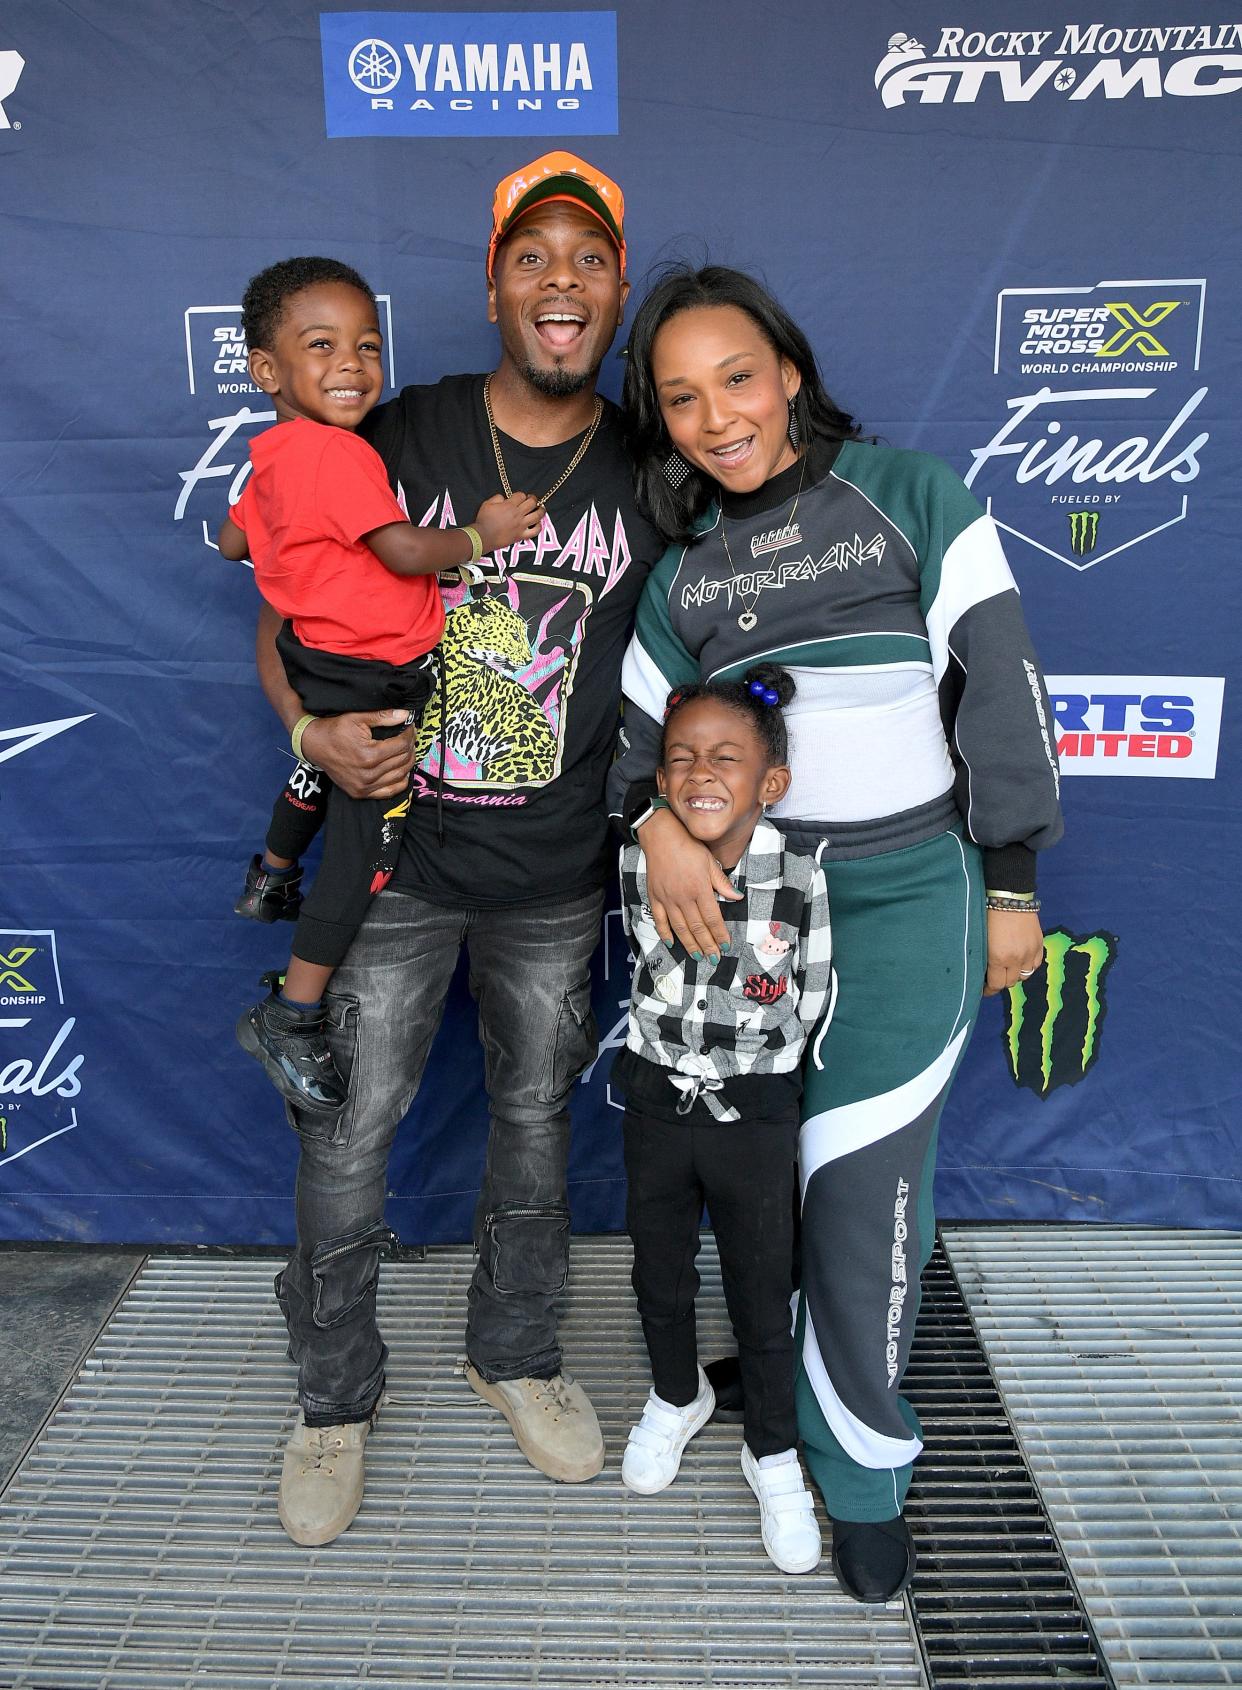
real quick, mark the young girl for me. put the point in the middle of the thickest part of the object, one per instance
(710, 1072)
(334, 553)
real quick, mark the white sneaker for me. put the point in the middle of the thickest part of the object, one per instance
(790, 1529)
(653, 1453)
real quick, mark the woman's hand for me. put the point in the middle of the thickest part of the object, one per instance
(683, 880)
(363, 767)
(1015, 949)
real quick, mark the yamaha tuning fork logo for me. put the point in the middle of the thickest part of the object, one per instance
(469, 73)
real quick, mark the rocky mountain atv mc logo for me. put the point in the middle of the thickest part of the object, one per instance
(1075, 61)
(1054, 1020)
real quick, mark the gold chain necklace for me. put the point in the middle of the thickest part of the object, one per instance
(747, 620)
(573, 462)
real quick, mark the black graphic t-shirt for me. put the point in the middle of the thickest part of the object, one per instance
(532, 663)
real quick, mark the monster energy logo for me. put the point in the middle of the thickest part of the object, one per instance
(1053, 1020)
(4, 1132)
(1084, 531)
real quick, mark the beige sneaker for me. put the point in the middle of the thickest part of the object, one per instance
(321, 1480)
(552, 1420)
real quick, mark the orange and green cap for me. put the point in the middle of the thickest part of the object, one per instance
(557, 176)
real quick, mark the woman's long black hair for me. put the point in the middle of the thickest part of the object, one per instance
(674, 510)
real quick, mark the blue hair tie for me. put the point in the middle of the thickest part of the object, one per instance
(766, 694)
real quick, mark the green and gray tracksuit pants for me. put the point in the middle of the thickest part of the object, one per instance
(909, 952)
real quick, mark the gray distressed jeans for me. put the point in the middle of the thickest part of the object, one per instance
(530, 976)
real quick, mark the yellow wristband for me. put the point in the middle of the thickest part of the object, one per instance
(1016, 897)
(295, 738)
(476, 543)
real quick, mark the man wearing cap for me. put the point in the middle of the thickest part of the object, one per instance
(504, 851)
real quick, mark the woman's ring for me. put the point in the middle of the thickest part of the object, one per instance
(1025, 973)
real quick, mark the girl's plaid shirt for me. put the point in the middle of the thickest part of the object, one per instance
(753, 1012)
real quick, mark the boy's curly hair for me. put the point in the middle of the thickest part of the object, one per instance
(263, 303)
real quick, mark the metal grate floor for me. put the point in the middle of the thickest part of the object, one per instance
(1119, 1353)
(994, 1604)
(140, 1550)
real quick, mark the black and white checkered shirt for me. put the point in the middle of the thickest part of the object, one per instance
(753, 1012)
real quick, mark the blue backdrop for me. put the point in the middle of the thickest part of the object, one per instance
(1016, 246)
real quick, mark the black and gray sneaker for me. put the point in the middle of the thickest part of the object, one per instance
(293, 1050)
(270, 894)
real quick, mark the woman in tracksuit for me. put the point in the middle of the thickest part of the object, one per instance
(924, 781)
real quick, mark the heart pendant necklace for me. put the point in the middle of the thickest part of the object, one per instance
(749, 616)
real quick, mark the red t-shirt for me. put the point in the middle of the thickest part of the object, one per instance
(312, 493)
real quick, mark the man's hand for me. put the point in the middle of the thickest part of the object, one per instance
(1015, 949)
(361, 766)
(683, 880)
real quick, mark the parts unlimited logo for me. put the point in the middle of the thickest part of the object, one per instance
(469, 73)
(1073, 61)
(1138, 724)
(39, 1067)
(1097, 431)
(230, 409)
(1054, 1021)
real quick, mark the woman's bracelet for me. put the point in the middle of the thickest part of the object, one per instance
(1015, 897)
(1014, 906)
(476, 543)
(295, 737)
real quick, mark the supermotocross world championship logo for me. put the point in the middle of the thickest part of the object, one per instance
(229, 409)
(1054, 1020)
(39, 1066)
(1097, 439)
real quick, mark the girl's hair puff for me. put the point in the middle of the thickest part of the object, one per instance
(746, 697)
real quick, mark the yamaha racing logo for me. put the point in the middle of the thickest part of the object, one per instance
(469, 73)
(1075, 61)
(1097, 436)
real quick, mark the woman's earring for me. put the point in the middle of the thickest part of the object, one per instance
(676, 469)
(795, 433)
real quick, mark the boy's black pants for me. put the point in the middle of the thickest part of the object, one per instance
(746, 1171)
(361, 835)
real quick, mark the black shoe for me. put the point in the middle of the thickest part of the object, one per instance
(293, 1050)
(271, 894)
(874, 1560)
(725, 1378)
